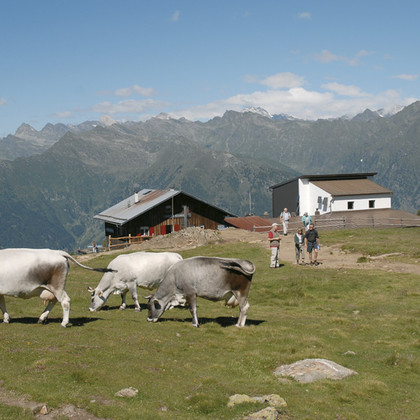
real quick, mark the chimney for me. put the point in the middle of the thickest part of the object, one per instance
(136, 197)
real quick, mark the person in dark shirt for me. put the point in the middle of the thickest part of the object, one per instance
(312, 243)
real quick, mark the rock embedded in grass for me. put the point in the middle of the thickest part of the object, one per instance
(311, 370)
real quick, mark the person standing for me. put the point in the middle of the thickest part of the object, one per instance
(306, 220)
(285, 217)
(299, 246)
(312, 243)
(274, 239)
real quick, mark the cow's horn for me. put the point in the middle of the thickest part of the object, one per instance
(91, 289)
(147, 297)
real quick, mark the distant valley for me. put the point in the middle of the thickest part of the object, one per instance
(53, 181)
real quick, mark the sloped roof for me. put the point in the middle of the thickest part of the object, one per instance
(147, 199)
(326, 177)
(247, 222)
(346, 187)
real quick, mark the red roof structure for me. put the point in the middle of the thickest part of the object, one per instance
(249, 222)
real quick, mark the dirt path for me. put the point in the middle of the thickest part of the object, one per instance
(329, 256)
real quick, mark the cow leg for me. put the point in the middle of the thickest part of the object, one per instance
(65, 304)
(244, 306)
(6, 317)
(43, 318)
(123, 297)
(192, 302)
(136, 299)
(56, 287)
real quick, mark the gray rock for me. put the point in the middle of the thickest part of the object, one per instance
(127, 392)
(273, 399)
(269, 413)
(310, 370)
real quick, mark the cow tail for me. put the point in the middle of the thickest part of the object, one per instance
(100, 270)
(234, 266)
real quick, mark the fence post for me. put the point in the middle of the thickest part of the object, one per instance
(109, 242)
(129, 239)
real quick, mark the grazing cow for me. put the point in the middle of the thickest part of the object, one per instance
(26, 273)
(139, 269)
(207, 277)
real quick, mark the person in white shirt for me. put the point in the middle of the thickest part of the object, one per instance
(285, 217)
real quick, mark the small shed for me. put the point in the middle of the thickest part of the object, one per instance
(152, 212)
(320, 194)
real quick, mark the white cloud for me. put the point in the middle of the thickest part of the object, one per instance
(300, 102)
(345, 90)
(129, 106)
(408, 77)
(175, 16)
(326, 57)
(278, 81)
(64, 114)
(135, 89)
(305, 15)
(3, 102)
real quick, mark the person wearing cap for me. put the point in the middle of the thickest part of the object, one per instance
(274, 239)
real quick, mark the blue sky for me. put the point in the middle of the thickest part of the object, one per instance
(77, 60)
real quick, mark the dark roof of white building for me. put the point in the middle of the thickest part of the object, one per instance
(347, 187)
(329, 177)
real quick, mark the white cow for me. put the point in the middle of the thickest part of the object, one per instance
(26, 273)
(139, 269)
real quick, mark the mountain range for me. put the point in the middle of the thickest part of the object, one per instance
(53, 181)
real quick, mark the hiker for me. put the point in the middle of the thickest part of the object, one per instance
(274, 239)
(312, 243)
(299, 246)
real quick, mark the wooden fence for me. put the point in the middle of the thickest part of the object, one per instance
(344, 222)
(124, 241)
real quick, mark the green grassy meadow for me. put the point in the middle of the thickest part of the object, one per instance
(183, 372)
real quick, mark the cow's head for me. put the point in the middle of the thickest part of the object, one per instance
(97, 299)
(155, 309)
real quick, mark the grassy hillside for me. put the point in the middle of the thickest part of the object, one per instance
(363, 320)
(50, 199)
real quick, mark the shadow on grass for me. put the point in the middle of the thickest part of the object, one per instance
(74, 322)
(223, 321)
(143, 307)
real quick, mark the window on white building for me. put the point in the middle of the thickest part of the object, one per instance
(350, 205)
(371, 204)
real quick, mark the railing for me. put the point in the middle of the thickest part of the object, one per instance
(124, 241)
(349, 223)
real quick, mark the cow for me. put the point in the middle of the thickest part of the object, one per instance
(26, 273)
(210, 278)
(138, 269)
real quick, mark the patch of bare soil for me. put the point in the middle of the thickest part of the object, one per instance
(329, 256)
(40, 410)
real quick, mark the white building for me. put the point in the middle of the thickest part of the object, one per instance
(320, 194)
